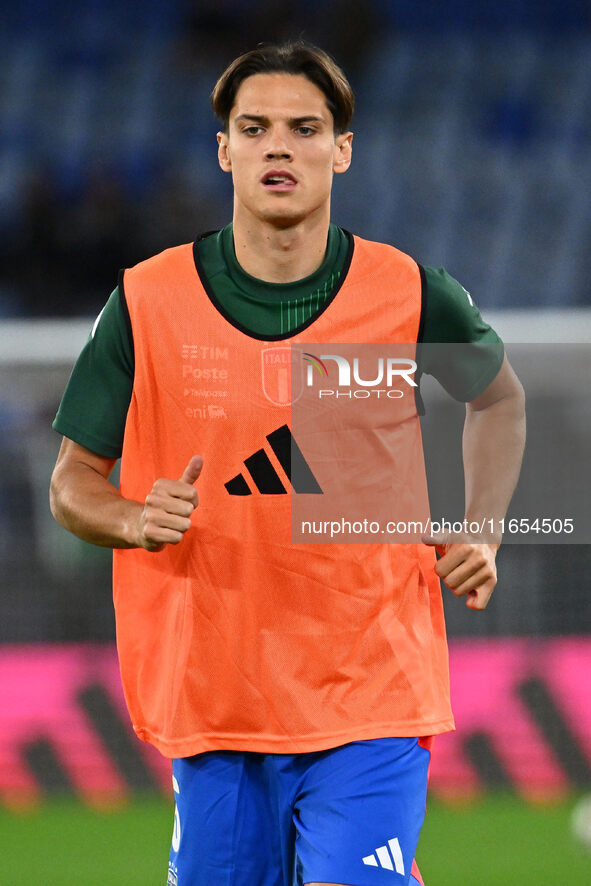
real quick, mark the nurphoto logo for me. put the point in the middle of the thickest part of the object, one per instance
(385, 371)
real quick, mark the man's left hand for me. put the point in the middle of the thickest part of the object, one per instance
(467, 568)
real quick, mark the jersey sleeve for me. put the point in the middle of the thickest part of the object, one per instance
(457, 347)
(93, 410)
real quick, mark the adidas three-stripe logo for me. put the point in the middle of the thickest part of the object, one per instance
(265, 477)
(389, 860)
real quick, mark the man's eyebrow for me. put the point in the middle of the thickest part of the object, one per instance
(294, 121)
(257, 118)
(308, 118)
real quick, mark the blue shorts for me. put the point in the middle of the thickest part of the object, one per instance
(351, 814)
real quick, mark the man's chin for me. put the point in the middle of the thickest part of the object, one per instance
(285, 217)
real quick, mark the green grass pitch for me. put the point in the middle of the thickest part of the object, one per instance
(498, 841)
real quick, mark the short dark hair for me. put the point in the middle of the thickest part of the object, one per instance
(288, 58)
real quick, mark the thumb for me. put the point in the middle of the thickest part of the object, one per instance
(436, 541)
(192, 470)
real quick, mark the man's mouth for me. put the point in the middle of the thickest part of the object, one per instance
(278, 180)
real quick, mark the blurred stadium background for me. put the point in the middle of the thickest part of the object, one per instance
(472, 151)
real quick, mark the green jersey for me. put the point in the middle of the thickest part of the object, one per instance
(94, 407)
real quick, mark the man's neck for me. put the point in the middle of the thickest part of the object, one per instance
(280, 255)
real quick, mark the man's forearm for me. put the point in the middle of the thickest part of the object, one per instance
(493, 444)
(85, 503)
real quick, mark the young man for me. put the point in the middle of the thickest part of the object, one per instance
(296, 687)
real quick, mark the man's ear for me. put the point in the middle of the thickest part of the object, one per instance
(344, 148)
(224, 152)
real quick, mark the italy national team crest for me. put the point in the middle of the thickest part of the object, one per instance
(282, 374)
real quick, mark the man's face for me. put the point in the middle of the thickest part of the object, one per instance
(281, 149)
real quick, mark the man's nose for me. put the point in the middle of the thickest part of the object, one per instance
(278, 147)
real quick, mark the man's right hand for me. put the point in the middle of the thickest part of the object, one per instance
(85, 503)
(166, 514)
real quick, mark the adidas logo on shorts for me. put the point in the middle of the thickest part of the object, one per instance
(390, 860)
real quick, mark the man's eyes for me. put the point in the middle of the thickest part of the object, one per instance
(301, 130)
